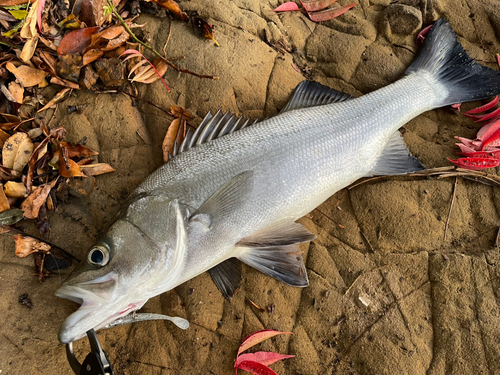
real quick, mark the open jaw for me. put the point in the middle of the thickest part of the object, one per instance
(94, 312)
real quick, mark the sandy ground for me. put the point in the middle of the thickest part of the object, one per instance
(433, 304)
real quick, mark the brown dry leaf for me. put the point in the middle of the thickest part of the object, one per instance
(173, 7)
(29, 49)
(91, 56)
(16, 151)
(27, 76)
(78, 151)
(50, 62)
(48, 43)
(29, 28)
(17, 91)
(180, 112)
(31, 205)
(3, 137)
(67, 167)
(96, 169)
(15, 189)
(7, 93)
(28, 245)
(64, 83)
(169, 140)
(56, 99)
(161, 68)
(4, 203)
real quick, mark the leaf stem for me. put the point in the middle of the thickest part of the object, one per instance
(124, 24)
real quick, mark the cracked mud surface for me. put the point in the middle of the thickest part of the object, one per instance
(433, 304)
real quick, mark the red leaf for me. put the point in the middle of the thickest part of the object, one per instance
(39, 10)
(476, 164)
(482, 154)
(135, 53)
(465, 149)
(487, 130)
(256, 368)
(490, 140)
(329, 14)
(76, 41)
(483, 108)
(265, 358)
(257, 337)
(421, 35)
(313, 6)
(485, 117)
(286, 7)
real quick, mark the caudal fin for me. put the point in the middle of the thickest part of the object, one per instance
(444, 57)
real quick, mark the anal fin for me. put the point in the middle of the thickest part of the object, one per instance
(227, 276)
(274, 251)
(396, 159)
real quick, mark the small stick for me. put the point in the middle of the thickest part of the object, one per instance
(333, 221)
(148, 102)
(366, 239)
(255, 305)
(168, 38)
(451, 206)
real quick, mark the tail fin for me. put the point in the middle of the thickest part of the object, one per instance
(444, 57)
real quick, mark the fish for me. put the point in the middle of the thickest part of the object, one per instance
(234, 189)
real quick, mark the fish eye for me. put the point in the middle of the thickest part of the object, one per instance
(98, 255)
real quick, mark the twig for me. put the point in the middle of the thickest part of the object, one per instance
(366, 239)
(451, 206)
(333, 221)
(23, 233)
(168, 38)
(148, 102)
(124, 24)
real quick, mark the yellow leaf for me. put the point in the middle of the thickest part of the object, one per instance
(15, 189)
(29, 49)
(17, 151)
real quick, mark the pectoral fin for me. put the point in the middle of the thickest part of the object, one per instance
(274, 251)
(227, 276)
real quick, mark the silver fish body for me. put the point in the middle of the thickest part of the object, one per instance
(237, 196)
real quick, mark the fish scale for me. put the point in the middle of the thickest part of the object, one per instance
(238, 195)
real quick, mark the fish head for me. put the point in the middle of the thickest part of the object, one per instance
(112, 280)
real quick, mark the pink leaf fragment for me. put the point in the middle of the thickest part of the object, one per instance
(485, 117)
(256, 368)
(483, 108)
(315, 5)
(287, 7)
(39, 10)
(476, 163)
(421, 35)
(492, 140)
(257, 337)
(488, 129)
(329, 14)
(482, 154)
(265, 358)
(135, 53)
(465, 150)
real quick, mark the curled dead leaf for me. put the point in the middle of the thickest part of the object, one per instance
(10, 217)
(29, 49)
(32, 204)
(172, 7)
(4, 203)
(26, 76)
(16, 151)
(78, 151)
(180, 112)
(56, 99)
(17, 92)
(28, 245)
(169, 140)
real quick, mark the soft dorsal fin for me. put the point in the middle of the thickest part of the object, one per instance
(274, 251)
(311, 94)
(227, 276)
(229, 197)
(396, 159)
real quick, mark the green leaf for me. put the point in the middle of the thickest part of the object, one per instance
(11, 217)
(19, 14)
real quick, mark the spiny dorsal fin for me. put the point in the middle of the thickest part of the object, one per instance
(274, 251)
(227, 276)
(396, 159)
(311, 94)
(212, 126)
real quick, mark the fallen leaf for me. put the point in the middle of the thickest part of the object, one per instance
(16, 151)
(3, 137)
(7, 94)
(26, 76)
(17, 91)
(180, 112)
(202, 28)
(476, 164)
(256, 368)
(313, 6)
(169, 140)
(64, 83)
(29, 28)
(265, 358)
(91, 56)
(56, 99)
(28, 245)
(96, 169)
(4, 203)
(67, 166)
(10, 217)
(29, 49)
(483, 108)
(286, 7)
(78, 151)
(76, 41)
(133, 54)
(329, 14)
(258, 337)
(172, 7)
(31, 205)
(15, 189)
